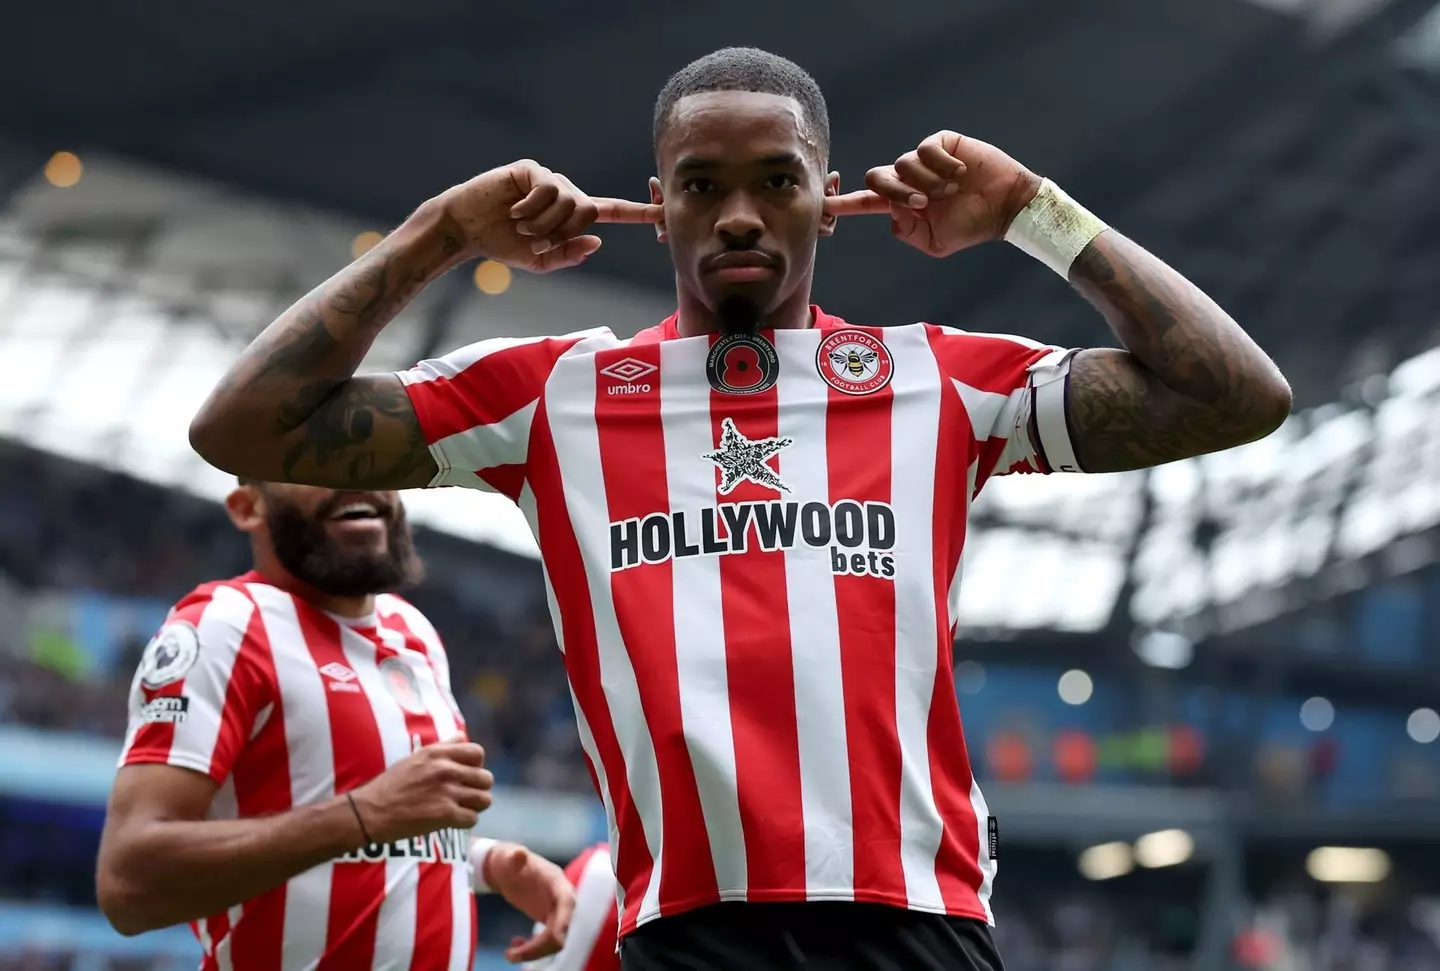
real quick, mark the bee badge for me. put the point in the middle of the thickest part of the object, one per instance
(853, 362)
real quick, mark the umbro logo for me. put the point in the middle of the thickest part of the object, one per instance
(628, 371)
(339, 677)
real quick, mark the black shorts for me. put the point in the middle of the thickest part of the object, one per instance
(819, 936)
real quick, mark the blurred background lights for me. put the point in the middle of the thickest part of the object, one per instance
(1169, 847)
(64, 169)
(1165, 649)
(1075, 687)
(492, 278)
(1317, 714)
(1423, 725)
(364, 243)
(1106, 861)
(1347, 864)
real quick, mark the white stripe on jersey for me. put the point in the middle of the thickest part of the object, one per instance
(815, 654)
(915, 426)
(570, 403)
(988, 866)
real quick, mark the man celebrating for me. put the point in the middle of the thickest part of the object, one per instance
(296, 782)
(751, 516)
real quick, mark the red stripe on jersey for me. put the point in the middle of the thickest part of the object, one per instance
(262, 788)
(760, 669)
(490, 389)
(632, 460)
(560, 553)
(507, 480)
(950, 777)
(357, 888)
(865, 612)
(216, 929)
(986, 362)
(433, 912)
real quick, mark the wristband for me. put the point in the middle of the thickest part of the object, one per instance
(1054, 228)
(359, 819)
(480, 848)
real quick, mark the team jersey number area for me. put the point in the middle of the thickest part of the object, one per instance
(858, 537)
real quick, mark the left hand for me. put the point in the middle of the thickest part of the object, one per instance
(538, 889)
(949, 194)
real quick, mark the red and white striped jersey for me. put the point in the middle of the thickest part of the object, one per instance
(752, 550)
(283, 704)
(591, 944)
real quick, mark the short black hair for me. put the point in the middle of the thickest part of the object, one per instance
(746, 69)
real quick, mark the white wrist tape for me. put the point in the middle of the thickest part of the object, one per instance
(1054, 228)
(480, 848)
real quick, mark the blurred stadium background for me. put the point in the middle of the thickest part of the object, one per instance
(1203, 698)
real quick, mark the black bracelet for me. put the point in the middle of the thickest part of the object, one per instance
(363, 831)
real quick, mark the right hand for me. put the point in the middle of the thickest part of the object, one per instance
(510, 213)
(443, 785)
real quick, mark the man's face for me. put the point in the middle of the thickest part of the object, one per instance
(742, 181)
(345, 544)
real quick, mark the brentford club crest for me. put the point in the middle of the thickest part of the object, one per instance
(402, 685)
(854, 362)
(742, 364)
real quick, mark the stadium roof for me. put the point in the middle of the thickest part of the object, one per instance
(366, 107)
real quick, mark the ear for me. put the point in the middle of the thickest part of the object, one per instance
(246, 507)
(828, 220)
(657, 198)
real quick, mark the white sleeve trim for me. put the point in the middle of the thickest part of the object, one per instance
(480, 848)
(1050, 381)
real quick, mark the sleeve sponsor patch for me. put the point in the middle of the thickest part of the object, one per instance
(170, 654)
(165, 710)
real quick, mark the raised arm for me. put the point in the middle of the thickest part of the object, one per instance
(1188, 381)
(292, 409)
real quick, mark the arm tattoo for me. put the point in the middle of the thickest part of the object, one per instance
(1189, 381)
(291, 409)
(362, 432)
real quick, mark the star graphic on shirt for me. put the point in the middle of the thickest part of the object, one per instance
(743, 459)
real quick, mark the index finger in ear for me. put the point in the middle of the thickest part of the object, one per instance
(862, 202)
(625, 211)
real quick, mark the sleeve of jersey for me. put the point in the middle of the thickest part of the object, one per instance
(1004, 382)
(476, 406)
(594, 927)
(203, 680)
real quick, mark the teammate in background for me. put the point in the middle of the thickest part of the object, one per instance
(752, 515)
(591, 943)
(296, 782)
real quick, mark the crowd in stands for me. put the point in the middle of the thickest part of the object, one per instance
(69, 528)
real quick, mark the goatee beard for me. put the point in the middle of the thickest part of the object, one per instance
(738, 315)
(303, 547)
